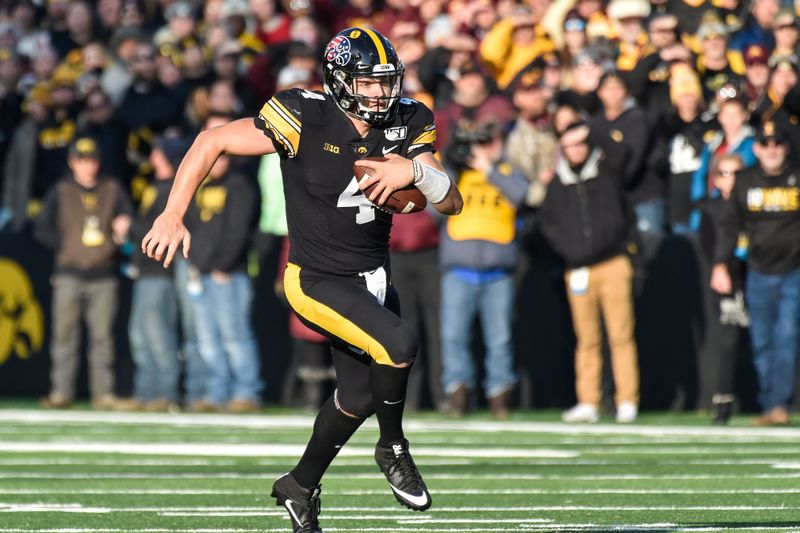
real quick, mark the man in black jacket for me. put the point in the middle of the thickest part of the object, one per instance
(222, 225)
(587, 221)
(765, 204)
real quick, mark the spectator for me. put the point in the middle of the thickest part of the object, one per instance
(764, 204)
(633, 44)
(84, 219)
(586, 220)
(623, 122)
(512, 43)
(717, 65)
(786, 33)
(153, 326)
(478, 259)
(414, 253)
(757, 74)
(758, 30)
(649, 79)
(37, 156)
(734, 137)
(473, 101)
(726, 316)
(531, 145)
(99, 122)
(222, 228)
(782, 102)
(688, 131)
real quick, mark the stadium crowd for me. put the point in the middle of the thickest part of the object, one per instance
(595, 129)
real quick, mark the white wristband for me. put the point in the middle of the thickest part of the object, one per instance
(433, 183)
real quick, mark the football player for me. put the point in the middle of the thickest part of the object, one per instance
(337, 279)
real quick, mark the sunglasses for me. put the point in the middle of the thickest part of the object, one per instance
(791, 25)
(726, 173)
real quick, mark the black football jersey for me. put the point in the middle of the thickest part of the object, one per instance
(333, 228)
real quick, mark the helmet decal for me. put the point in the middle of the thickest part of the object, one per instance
(338, 50)
(357, 58)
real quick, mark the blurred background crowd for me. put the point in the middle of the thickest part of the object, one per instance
(109, 95)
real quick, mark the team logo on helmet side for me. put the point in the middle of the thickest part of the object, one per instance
(338, 50)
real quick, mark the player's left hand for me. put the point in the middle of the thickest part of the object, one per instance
(390, 175)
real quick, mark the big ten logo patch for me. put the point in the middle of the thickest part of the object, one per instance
(21, 320)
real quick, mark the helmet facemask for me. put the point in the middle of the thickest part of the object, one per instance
(376, 107)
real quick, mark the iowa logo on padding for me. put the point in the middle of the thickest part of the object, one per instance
(21, 321)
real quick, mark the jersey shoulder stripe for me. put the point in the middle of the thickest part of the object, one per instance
(281, 120)
(421, 126)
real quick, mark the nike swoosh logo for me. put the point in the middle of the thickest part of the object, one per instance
(288, 504)
(416, 500)
(391, 403)
(390, 149)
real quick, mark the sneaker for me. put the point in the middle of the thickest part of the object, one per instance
(398, 466)
(498, 405)
(104, 402)
(204, 406)
(778, 416)
(581, 413)
(240, 406)
(457, 402)
(627, 412)
(303, 504)
(55, 401)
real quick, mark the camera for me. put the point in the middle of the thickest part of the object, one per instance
(466, 134)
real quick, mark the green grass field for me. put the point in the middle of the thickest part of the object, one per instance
(86, 472)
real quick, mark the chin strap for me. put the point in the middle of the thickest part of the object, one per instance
(431, 182)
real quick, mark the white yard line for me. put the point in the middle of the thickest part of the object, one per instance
(77, 508)
(259, 450)
(466, 492)
(377, 476)
(304, 422)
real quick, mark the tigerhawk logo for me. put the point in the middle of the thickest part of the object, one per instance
(21, 321)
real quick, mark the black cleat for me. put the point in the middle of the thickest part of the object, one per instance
(405, 480)
(302, 504)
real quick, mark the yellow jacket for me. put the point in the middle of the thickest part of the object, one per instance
(505, 57)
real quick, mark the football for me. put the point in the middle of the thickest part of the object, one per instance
(402, 201)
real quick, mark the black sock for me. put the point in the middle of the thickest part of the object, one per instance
(332, 429)
(388, 384)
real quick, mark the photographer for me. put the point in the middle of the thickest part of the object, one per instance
(478, 257)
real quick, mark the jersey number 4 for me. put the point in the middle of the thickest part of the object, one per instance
(352, 197)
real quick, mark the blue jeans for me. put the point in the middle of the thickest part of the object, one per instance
(196, 371)
(226, 340)
(461, 301)
(774, 304)
(154, 341)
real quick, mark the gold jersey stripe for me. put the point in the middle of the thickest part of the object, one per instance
(328, 319)
(287, 131)
(426, 137)
(282, 109)
(378, 44)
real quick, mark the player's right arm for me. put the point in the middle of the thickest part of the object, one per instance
(240, 137)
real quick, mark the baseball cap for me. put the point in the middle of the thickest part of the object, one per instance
(769, 131)
(712, 29)
(84, 147)
(173, 148)
(756, 54)
(785, 17)
(529, 78)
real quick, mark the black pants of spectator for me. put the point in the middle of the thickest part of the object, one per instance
(415, 275)
(721, 349)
